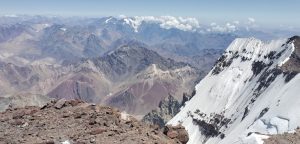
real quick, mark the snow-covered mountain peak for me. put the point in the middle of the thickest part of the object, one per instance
(251, 92)
(252, 44)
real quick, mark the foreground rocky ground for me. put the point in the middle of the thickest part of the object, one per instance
(286, 138)
(79, 123)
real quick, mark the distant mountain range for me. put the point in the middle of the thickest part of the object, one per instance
(131, 63)
(132, 78)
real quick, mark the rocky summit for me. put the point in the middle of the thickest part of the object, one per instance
(76, 122)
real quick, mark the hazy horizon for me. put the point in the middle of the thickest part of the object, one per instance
(265, 13)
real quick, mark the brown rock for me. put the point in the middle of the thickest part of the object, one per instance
(79, 115)
(60, 103)
(79, 142)
(47, 142)
(183, 136)
(31, 112)
(17, 122)
(75, 102)
(172, 134)
(97, 131)
(18, 115)
(66, 115)
(3, 119)
(177, 132)
(92, 121)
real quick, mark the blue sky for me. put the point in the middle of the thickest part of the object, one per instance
(268, 12)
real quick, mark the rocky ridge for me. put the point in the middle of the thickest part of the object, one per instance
(77, 122)
(286, 138)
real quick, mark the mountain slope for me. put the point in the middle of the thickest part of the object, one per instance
(131, 78)
(250, 92)
(141, 78)
(64, 40)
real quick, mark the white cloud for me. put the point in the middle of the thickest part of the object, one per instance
(251, 23)
(236, 22)
(122, 16)
(228, 27)
(251, 20)
(213, 24)
(167, 22)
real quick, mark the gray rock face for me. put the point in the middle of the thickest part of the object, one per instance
(166, 110)
(293, 64)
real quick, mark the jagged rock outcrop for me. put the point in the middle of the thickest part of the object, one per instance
(167, 109)
(293, 64)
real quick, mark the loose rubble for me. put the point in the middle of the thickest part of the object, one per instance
(77, 122)
(286, 138)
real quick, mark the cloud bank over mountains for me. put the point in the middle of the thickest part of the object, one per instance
(167, 22)
(187, 23)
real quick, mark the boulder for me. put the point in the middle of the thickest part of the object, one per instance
(176, 132)
(60, 103)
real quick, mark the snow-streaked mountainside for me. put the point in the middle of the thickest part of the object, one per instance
(251, 92)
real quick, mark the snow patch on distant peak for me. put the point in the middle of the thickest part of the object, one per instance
(63, 29)
(40, 27)
(166, 22)
(107, 20)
